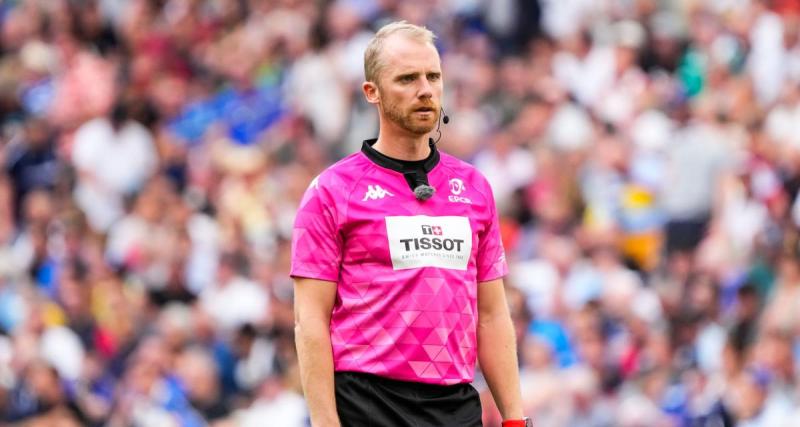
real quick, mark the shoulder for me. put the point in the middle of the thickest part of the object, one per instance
(92, 135)
(344, 174)
(93, 126)
(466, 172)
(336, 182)
(137, 130)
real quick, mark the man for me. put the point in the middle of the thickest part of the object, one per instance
(398, 266)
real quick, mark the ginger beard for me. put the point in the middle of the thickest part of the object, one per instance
(409, 120)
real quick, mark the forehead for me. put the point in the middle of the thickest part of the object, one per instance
(402, 55)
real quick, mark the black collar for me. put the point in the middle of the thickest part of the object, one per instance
(427, 164)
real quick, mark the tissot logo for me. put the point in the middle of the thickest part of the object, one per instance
(432, 230)
(436, 243)
(425, 241)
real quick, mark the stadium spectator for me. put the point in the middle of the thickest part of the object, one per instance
(644, 156)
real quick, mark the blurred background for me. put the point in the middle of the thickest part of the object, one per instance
(644, 154)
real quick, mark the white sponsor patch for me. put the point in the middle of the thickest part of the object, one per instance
(429, 241)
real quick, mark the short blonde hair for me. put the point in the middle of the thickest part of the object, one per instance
(373, 63)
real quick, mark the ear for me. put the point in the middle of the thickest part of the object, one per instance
(371, 92)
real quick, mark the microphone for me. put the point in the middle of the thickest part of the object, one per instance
(418, 180)
(424, 192)
(443, 117)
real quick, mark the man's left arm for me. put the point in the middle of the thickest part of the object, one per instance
(497, 352)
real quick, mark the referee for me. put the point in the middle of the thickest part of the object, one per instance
(398, 266)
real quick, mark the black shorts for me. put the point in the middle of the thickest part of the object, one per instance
(369, 400)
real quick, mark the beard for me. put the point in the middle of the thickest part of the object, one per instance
(407, 119)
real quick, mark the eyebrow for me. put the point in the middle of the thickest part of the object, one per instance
(416, 73)
(404, 75)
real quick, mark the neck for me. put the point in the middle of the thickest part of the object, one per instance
(402, 146)
(405, 149)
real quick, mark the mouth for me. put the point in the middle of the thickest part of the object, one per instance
(425, 111)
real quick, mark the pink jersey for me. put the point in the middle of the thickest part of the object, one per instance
(407, 271)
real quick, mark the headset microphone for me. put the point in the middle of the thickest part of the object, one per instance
(442, 118)
(419, 182)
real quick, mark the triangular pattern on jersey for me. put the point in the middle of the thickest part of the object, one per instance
(414, 323)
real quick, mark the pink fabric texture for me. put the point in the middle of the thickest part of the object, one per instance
(407, 271)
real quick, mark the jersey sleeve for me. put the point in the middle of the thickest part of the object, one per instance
(491, 257)
(316, 238)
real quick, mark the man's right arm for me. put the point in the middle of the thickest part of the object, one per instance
(313, 304)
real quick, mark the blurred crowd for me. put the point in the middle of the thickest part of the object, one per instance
(644, 154)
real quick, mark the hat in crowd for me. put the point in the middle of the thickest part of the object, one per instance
(571, 128)
(652, 130)
(38, 57)
(630, 34)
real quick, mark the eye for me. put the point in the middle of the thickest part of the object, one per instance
(434, 77)
(408, 78)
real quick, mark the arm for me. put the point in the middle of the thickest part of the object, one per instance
(497, 353)
(313, 305)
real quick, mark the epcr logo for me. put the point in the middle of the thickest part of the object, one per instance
(456, 186)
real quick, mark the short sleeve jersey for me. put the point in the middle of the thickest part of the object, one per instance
(407, 271)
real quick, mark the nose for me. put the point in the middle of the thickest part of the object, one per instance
(425, 89)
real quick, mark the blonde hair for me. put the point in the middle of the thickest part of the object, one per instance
(373, 63)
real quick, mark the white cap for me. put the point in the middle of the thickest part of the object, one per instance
(571, 128)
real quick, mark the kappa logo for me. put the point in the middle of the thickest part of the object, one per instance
(314, 183)
(456, 188)
(375, 192)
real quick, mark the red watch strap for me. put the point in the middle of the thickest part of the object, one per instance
(514, 423)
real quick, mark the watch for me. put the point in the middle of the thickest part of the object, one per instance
(521, 422)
